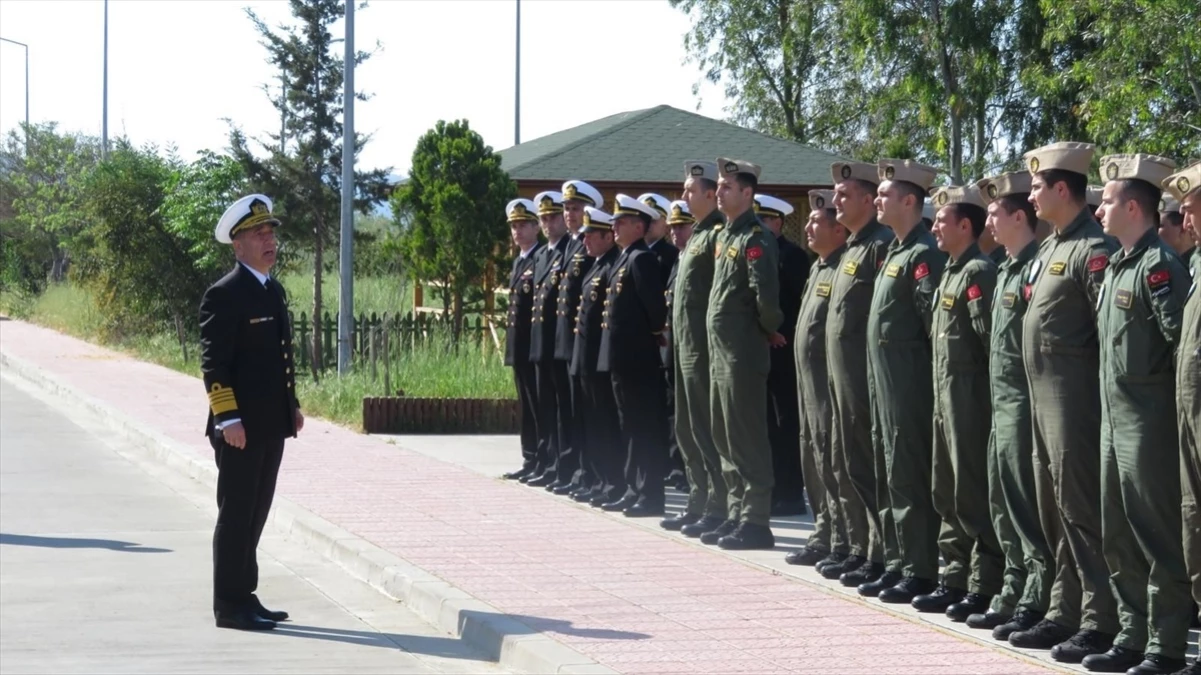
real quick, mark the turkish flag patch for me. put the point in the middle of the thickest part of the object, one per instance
(921, 271)
(1027, 291)
(754, 253)
(1157, 279)
(973, 292)
(1098, 262)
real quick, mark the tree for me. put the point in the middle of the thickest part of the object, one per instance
(304, 175)
(196, 196)
(450, 211)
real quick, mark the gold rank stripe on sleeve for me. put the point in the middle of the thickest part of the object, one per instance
(221, 399)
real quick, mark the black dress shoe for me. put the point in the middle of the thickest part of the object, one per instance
(565, 489)
(541, 481)
(264, 613)
(873, 589)
(679, 520)
(906, 590)
(1082, 644)
(620, 504)
(1116, 660)
(833, 558)
(518, 474)
(989, 620)
(711, 537)
(644, 508)
(1024, 619)
(807, 556)
(583, 494)
(867, 573)
(1157, 664)
(835, 570)
(705, 524)
(788, 507)
(244, 619)
(748, 537)
(972, 603)
(1043, 635)
(943, 597)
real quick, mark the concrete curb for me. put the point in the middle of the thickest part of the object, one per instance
(509, 642)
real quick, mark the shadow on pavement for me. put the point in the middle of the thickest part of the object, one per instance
(71, 542)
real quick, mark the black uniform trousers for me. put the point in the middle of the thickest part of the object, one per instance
(245, 488)
(675, 458)
(784, 426)
(546, 414)
(526, 381)
(641, 408)
(573, 462)
(604, 455)
(567, 459)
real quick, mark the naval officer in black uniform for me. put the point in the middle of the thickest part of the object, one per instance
(246, 360)
(523, 227)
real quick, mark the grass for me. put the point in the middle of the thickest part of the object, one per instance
(429, 369)
(371, 294)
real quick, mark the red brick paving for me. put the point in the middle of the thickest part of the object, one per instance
(632, 600)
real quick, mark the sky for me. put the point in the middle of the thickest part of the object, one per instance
(179, 68)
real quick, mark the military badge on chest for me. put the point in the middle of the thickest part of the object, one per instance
(1123, 298)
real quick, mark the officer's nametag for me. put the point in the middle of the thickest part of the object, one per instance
(261, 319)
(948, 301)
(1057, 268)
(850, 268)
(1123, 298)
(694, 249)
(822, 290)
(893, 270)
(1009, 300)
(732, 252)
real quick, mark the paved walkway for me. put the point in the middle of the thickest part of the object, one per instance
(632, 599)
(105, 567)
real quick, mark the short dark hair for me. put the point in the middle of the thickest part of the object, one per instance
(1144, 194)
(974, 214)
(865, 185)
(706, 183)
(746, 180)
(1077, 182)
(906, 189)
(1020, 202)
(1172, 218)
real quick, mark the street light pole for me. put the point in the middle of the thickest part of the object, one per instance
(346, 259)
(517, 84)
(104, 114)
(22, 44)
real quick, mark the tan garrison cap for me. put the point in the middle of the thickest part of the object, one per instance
(858, 170)
(821, 199)
(1004, 185)
(1181, 183)
(729, 167)
(1169, 205)
(1148, 168)
(908, 171)
(1093, 198)
(967, 194)
(700, 168)
(1065, 156)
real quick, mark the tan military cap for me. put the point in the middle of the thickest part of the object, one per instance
(908, 171)
(1065, 156)
(967, 194)
(1093, 197)
(821, 199)
(1149, 168)
(1181, 183)
(1169, 205)
(700, 168)
(1004, 185)
(857, 170)
(729, 167)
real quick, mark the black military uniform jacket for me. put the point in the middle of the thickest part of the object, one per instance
(667, 254)
(577, 266)
(246, 357)
(635, 315)
(548, 272)
(669, 293)
(589, 317)
(794, 272)
(521, 301)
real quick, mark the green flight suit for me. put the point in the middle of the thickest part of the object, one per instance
(846, 355)
(813, 385)
(1138, 327)
(1029, 562)
(902, 396)
(1060, 353)
(744, 311)
(690, 300)
(959, 339)
(1188, 405)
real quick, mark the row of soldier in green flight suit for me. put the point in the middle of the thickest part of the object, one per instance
(1030, 414)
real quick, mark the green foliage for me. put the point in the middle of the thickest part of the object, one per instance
(449, 211)
(196, 196)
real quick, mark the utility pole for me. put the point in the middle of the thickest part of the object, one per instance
(517, 84)
(22, 44)
(346, 260)
(104, 115)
